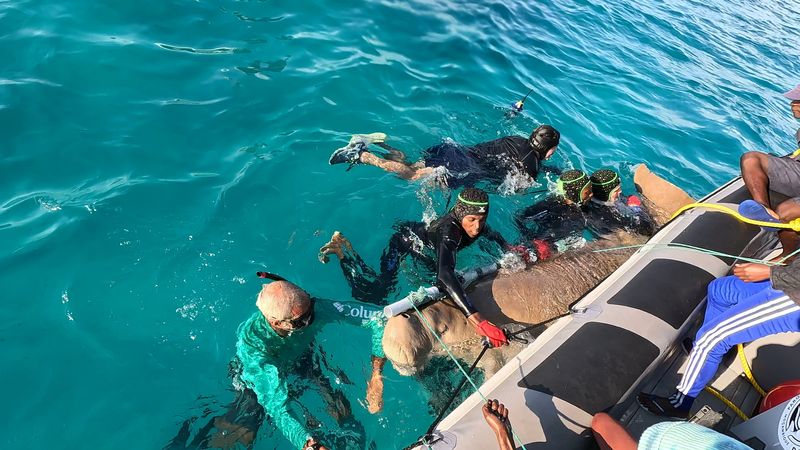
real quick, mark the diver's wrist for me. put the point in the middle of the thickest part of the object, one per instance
(378, 363)
(475, 319)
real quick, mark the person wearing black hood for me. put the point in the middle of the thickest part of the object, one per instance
(436, 246)
(558, 221)
(609, 210)
(488, 161)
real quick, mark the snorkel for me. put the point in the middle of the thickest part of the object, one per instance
(518, 106)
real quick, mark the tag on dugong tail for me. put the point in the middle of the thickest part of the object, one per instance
(664, 195)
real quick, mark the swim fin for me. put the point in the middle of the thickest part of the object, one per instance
(371, 138)
(349, 153)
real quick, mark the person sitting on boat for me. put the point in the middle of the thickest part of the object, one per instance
(277, 354)
(559, 219)
(488, 161)
(756, 301)
(609, 210)
(763, 172)
(436, 246)
(611, 435)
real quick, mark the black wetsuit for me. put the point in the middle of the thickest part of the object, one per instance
(487, 161)
(605, 218)
(435, 246)
(551, 220)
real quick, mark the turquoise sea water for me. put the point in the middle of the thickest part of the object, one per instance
(154, 155)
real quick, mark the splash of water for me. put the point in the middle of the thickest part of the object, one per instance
(511, 263)
(516, 181)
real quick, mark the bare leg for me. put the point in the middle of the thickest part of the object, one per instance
(230, 434)
(403, 170)
(239, 425)
(754, 172)
(790, 240)
(310, 366)
(394, 154)
(610, 435)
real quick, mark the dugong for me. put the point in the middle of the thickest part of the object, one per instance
(535, 295)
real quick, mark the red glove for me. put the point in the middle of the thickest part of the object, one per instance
(497, 337)
(523, 252)
(542, 249)
(634, 201)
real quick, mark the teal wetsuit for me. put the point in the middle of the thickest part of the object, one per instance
(267, 359)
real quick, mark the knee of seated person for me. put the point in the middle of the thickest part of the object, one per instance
(599, 421)
(788, 210)
(751, 157)
(718, 287)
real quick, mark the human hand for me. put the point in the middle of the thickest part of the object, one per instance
(496, 415)
(542, 249)
(752, 272)
(527, 255)
(634, 202)
(497, 337)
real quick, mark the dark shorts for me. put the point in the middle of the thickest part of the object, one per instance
(784, 175)
(463, 169)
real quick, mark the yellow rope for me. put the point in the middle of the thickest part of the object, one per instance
(792, 225)
(727, 402)
(747, 372)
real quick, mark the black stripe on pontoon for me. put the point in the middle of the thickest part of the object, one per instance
(742, 194)
(719, 232)
(594, 367)
(667, 289)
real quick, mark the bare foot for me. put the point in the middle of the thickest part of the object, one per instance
(780, 258)
(772, 213)
(337, 246)
(375, 394)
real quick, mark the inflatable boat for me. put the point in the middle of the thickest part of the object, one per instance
(624, 337)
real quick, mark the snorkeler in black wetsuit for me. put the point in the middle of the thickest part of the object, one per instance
(558, 221)
(459, 228)
(609, 210)
(581, 203)
(488, 161)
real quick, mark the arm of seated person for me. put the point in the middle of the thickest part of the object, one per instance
(496, 415)
(752, 272)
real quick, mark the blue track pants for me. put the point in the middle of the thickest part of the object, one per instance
(737, 312)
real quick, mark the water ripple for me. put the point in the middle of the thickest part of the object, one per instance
(203, 51)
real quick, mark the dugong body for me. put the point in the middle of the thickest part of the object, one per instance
(535, 295)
